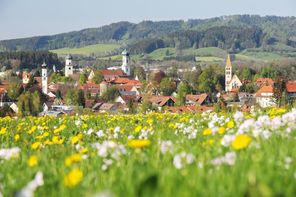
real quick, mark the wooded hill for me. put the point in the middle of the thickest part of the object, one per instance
(232, 33)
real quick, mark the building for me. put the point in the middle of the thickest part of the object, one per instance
(232, 82)
(68, 66)
(125, 67)
(264, 81)
(26, 77)
(291, 90)
(44, 78)
(199, 99)
(264, 96)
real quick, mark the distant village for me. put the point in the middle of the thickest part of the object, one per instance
(119, 92)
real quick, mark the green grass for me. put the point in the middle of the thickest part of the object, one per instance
(263, 165)
(87, 50)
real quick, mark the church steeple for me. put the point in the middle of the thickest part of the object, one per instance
(228, 74)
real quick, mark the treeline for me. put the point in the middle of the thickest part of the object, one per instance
(231, 39)
(28, 59)
(282, 29)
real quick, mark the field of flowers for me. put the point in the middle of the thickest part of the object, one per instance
(150, 155)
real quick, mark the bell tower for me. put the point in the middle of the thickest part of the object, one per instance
(44, 78)
(228, 74)
(126, 63)
(68, 66)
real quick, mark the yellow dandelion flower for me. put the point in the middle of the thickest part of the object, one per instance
(207, 131)
(75, 139)
(16, 137)
(76, 158)
(57, 140)
(241, 141)
(138, 143)
(221, 130)
(138, 129)
(73, 178)
(60, 128)
(36, 145)
(33, 129)
(3, 131)
(208, 142)
(230, 124)
(32, 161)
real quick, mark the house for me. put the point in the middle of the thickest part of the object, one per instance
(190, 109)
(264, 81)
(264, 96)
(199, 99)
(128, 90)
(161, 101)
(110, 75)
(26, 77)
(92, 88)
(51, 113)
(291, 90)
(105, 108)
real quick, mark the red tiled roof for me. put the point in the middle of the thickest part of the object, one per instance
(184, 109)
(113, 72)
(4, 86)
(199, 98)
(264, 81)
(125, 88)
(291, 87)
(264, 89)
(161, 100)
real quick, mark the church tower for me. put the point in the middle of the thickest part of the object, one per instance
(44, 78)
(68, 66)
(228, 74)
(125, 63)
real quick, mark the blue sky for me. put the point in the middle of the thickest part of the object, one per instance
(25, 18)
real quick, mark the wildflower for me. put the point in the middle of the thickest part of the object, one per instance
(138, 129)
(166, 146)
(33, 129)
(75, 158)
(60, 128)
(182, 159)
(36, 145)
(228, 159)
(9, 153)
(57, 140)
(221, 130)
(3, 131)
(29, 189)
(138, 143)
(207, 131)
(16, 137)
(73, 178)
(32, 161)
(241, 141)
(230, 124)
(76, 138)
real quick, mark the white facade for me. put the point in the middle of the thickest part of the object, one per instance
(44, 78)
(125, 63)
(231, 81)
(68, 66)
(266, 101)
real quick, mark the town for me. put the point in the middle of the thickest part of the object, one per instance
(130, 89)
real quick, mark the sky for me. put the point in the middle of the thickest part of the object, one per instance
(26, 18)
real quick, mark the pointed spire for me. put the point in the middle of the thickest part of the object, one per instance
(228, 61)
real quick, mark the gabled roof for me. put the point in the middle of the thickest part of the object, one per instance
(264, 81)
(161, 100)
(113, 72)
(291, 87)
(264, 89)
(198, 98)
(186, 109)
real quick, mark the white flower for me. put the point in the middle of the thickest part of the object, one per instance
(166, 146)
(182, 159)
(238, 116)
(228, 159)
(100, 133)
(28, 190)
(9, 153)
(227, 140)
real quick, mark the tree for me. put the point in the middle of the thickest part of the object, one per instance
(110, 95)
(81, 98)
(29, 103)
(98, 78)
(140, 72)
(206, 81)
(15, 88)
(82, 78)
(182, 91)
(167, 86)
(71, 97)
(278, 89)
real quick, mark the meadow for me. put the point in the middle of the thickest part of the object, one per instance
(87, 50)
(154, 154)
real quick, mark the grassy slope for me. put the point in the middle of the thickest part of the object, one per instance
(97, 48)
